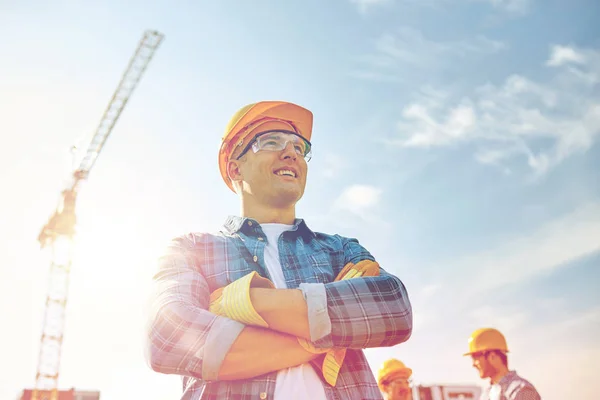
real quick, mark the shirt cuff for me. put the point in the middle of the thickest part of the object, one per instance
(221, 336)
(318, 316)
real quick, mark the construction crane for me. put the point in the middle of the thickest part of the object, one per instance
(59, 231)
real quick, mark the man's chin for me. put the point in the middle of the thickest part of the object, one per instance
(289, 192)
(287, 196)
(403, 395)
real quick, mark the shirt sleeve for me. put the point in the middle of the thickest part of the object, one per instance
(362, 313)
(182, 336)
(319, 322)
(527, 393)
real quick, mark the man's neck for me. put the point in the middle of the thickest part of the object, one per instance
(502, 372)
(265, 215)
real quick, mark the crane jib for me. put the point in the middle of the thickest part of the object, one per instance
(58, 232)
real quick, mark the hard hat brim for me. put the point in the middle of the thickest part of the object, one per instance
(473, 352)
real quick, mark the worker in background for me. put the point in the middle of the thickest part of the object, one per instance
(393, 379)
(267, 308)
(488, 350)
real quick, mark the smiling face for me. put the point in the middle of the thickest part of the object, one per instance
(271, 178)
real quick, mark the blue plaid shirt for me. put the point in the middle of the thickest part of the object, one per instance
(187, 340)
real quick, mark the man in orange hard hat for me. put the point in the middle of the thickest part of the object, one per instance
(393, 379)
(267, 308)
(488, 350)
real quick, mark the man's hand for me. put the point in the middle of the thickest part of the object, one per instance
(363, 268)
(233, 301)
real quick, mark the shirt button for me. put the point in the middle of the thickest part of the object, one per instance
(249, 223)
(263, 395)
(255, 258)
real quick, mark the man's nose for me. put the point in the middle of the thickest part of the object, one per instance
(289, 151)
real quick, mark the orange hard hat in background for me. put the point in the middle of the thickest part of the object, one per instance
(244, 124)
(486, 339)
(392, 368)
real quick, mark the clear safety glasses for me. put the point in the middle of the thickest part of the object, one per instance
(277, 141)
(402, 383)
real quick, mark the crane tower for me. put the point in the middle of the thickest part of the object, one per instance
(57, 234)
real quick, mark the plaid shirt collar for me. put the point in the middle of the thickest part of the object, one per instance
(235, 224)
(509, 377)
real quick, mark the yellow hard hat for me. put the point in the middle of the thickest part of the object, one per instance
(242, 127)
(392, 368)
(485, 339)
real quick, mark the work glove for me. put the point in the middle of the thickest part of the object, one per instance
(363, 268)
(233, 300)
(335, 357)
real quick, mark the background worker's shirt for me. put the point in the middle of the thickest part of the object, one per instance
(185, 339)
(301, 382)
(511, 387)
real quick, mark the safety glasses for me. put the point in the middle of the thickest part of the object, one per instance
(277, 140)
(479, 354)
(398, 381)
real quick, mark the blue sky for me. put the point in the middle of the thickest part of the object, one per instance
(456, 139)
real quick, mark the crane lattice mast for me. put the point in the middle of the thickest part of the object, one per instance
(59, 231)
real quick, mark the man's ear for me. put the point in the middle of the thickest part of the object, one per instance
(494, 358)
(233, 170)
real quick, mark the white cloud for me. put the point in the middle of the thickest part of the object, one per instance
(510, 119)
(515, 7)
(581, 64)
(364, 5)
(457, 124)
(410, 45)
(468, 279)
(564, 55)
(358, 199)
(511, 6)
(553, 246)
(409, 48)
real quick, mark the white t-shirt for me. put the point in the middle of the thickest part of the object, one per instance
(301, 382)
(495, 392)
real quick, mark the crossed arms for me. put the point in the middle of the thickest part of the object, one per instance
(184, 338)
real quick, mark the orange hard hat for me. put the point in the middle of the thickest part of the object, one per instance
(486, 339)
(392, 368)
(266, 115)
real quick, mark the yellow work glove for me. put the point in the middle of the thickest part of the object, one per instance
(233, 300)
(335, 357)
(308, 346)
(363, 268)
